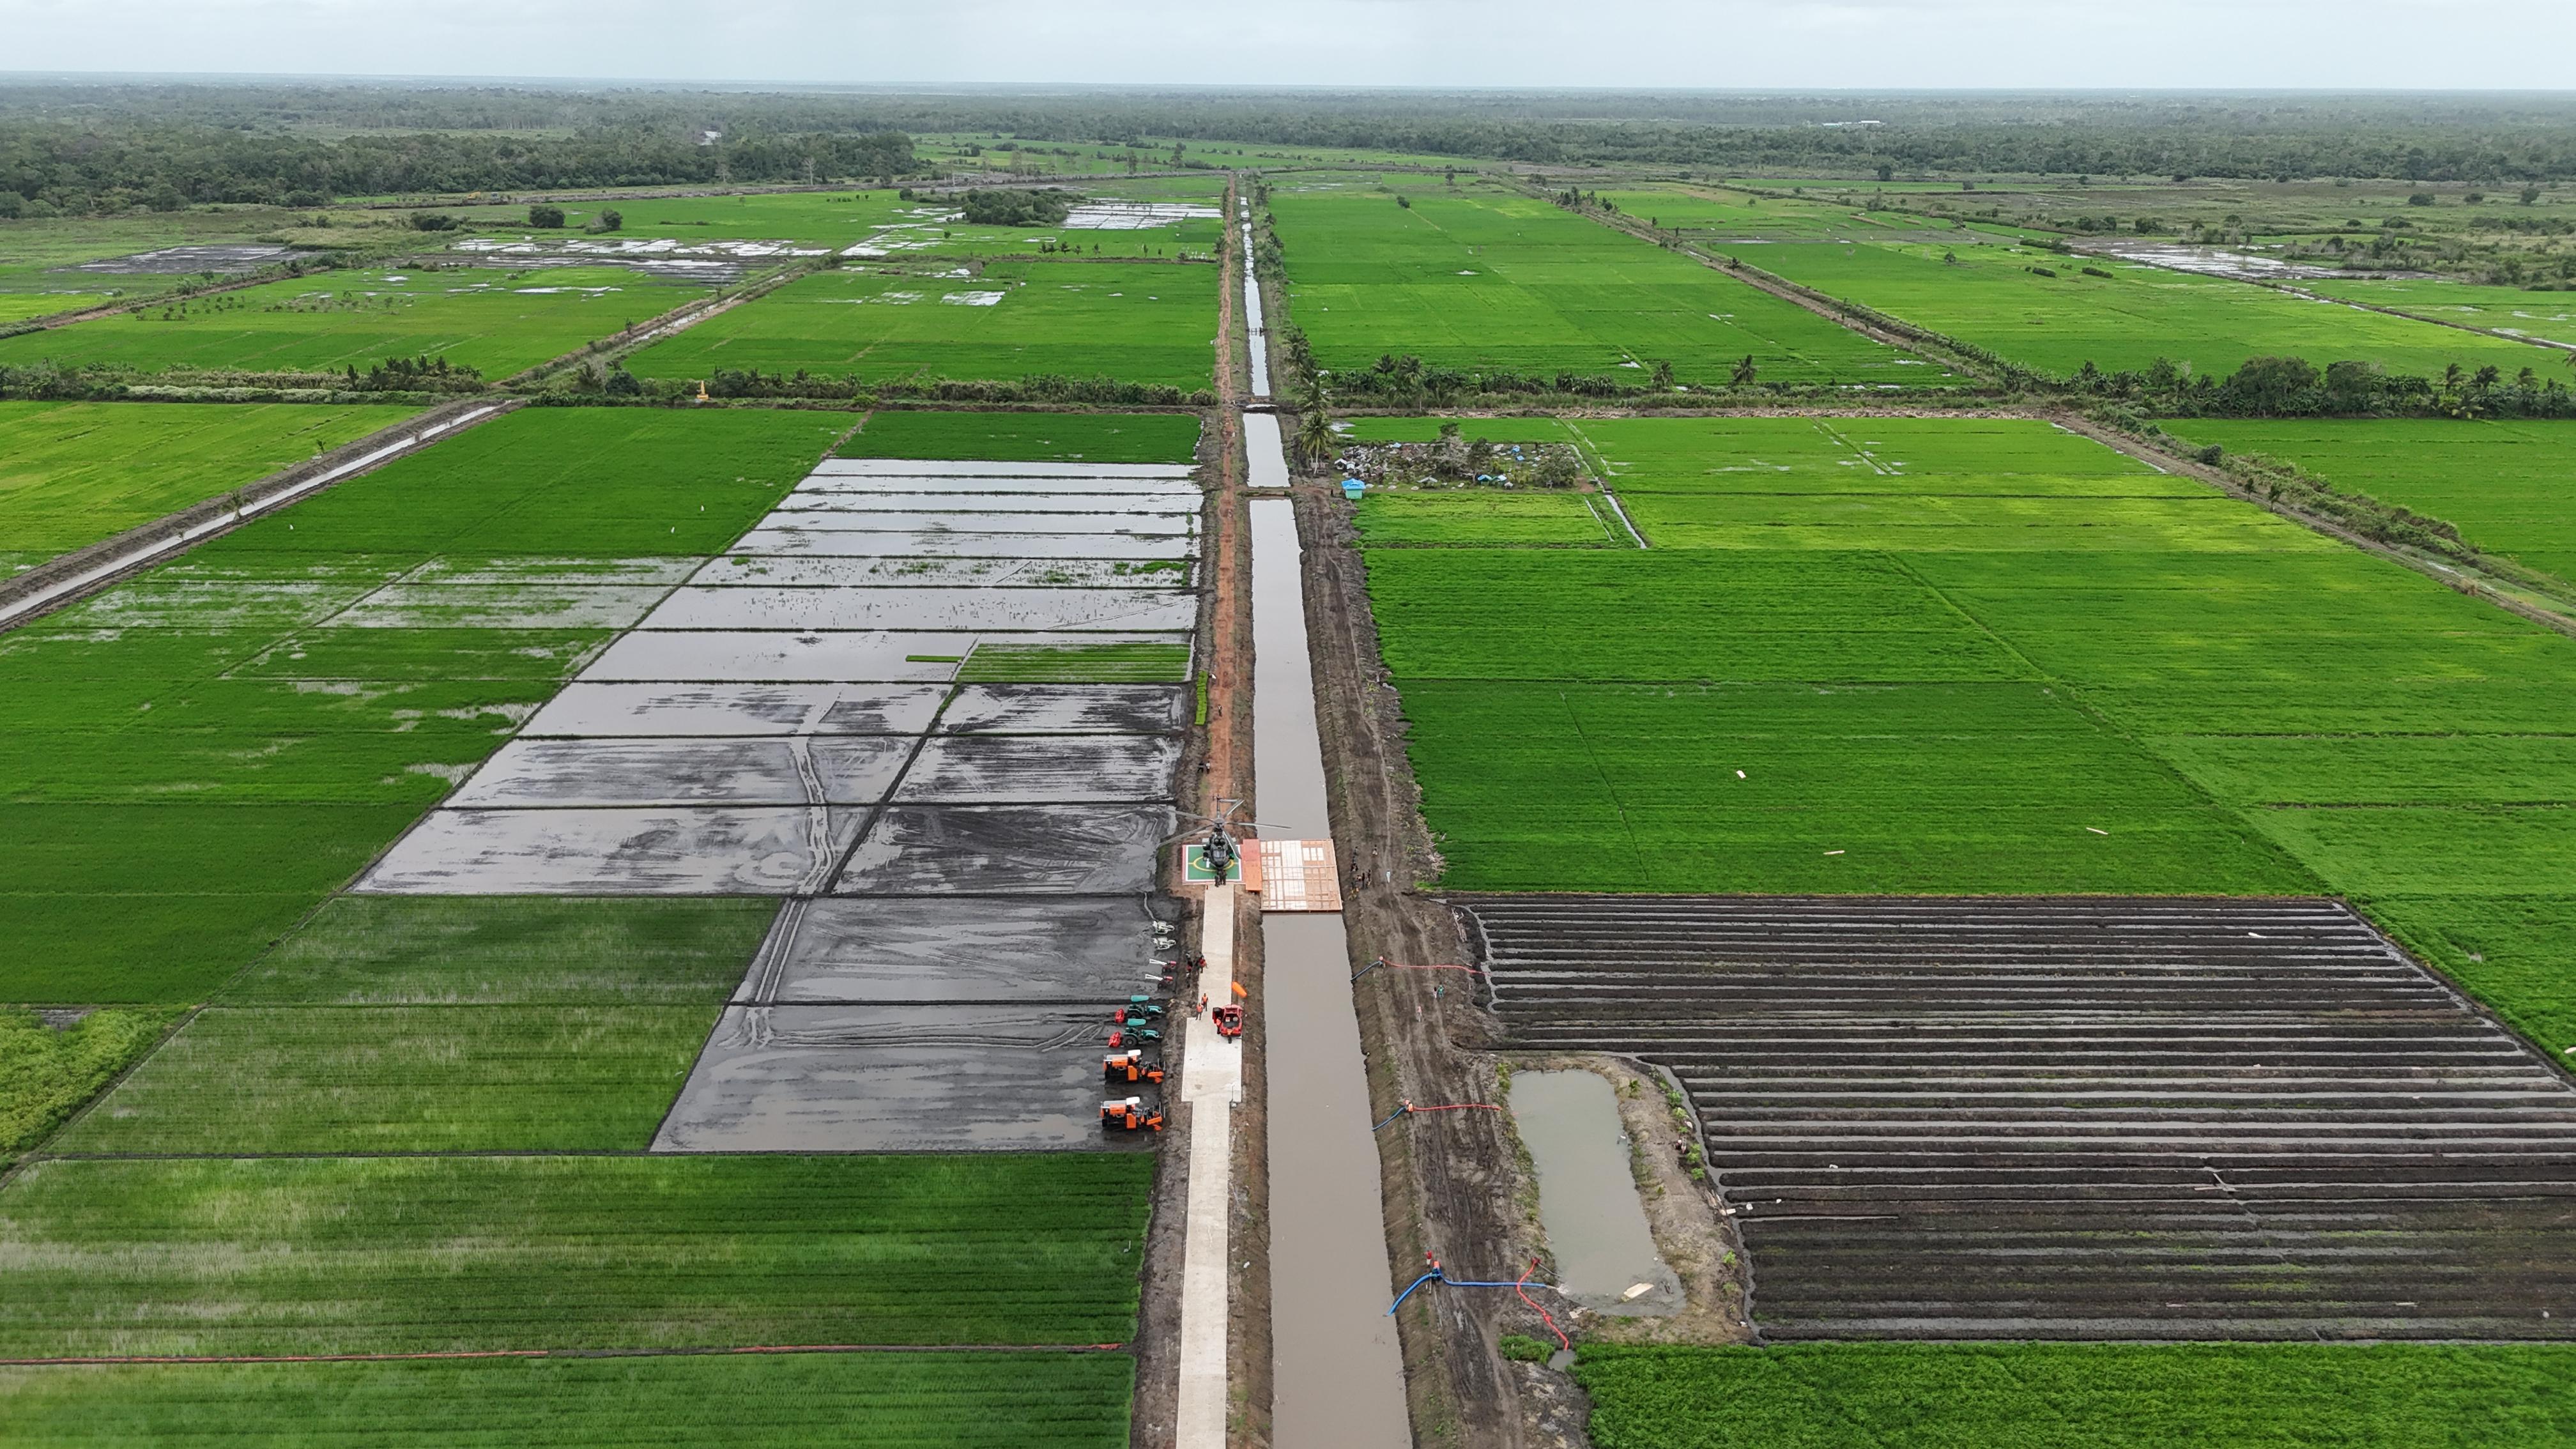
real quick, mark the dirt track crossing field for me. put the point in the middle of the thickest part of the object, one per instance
(2076, 1117)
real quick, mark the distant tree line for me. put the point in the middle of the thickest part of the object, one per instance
(53, 168)
(268, 142)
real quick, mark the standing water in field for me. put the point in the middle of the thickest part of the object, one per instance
(1337, 1377)
(1587, 1195)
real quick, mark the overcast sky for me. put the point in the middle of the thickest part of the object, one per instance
(1712, 43)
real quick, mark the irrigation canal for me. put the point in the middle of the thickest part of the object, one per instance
(1337, 1378)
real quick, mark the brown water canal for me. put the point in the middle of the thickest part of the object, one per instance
(1337, 1378)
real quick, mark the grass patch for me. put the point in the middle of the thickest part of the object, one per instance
(1136, 322)
(74, 473)
(1028, 437)
(404, 1079)
(1483, 517)
(492, 321)
(47, 1072)
(757, 1401)
(460, 1253)
(1077, 664)
(522, 950)
(2081, 1396)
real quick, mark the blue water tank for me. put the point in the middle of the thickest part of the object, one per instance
(1352, 488)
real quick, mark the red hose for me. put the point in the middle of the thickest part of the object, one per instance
(1562, 1341)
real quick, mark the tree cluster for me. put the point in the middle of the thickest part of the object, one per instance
(1004, 207)
(2293, 387)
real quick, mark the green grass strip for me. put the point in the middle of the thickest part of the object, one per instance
(1080, 664)
(863, 1401)
(2082, 1396)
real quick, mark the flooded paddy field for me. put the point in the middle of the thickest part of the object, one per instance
(897, 1078)
(2075, 1118)
(767, 727)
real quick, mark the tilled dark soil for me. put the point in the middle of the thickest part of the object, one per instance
(2076, 1117)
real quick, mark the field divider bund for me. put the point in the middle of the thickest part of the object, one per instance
(618, 345)
(489, 1353)
(60, 581)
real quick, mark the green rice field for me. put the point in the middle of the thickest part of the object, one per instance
(2547, 315)
(2081, 1396)
(1028, 437)
(1133, 321)
(74, 473)
(465, 1253)
(1954, 656)
(2504, 484)
(757, 1401)
(27, 305)
(1979, 289)
(1483, 280)
(403, 1079)
(495, 322)
(196, 759)
(511, 951)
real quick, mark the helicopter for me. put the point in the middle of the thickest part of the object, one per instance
(1217, 850)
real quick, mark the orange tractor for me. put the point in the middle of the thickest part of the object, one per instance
(1131, 1066)
(1229, 1022)
(1130, 1114)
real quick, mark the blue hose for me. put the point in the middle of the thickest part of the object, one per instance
(1391, 1116)
(1441, 1277)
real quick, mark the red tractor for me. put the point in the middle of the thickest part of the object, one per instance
(1130, 1114)
(1229, 1022)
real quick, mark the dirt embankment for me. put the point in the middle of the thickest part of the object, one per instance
(1218, 765)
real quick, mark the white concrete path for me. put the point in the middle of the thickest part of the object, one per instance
(1212, 1083)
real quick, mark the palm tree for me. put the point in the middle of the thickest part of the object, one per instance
(1743, 371)
(1315, 437)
